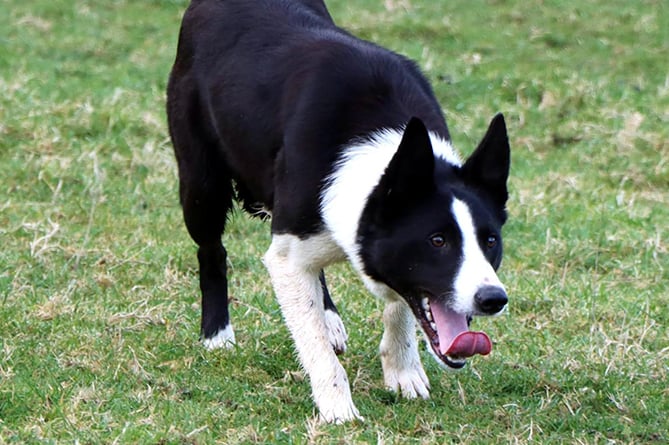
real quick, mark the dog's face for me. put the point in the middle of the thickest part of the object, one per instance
(432, 232)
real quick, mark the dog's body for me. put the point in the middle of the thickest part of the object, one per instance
(345, 145)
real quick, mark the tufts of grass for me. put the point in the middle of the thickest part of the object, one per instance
(99, 307)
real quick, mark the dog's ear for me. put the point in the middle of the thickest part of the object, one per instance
(409, 175)
(488, 167)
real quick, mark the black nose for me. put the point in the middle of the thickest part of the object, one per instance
(490, 299)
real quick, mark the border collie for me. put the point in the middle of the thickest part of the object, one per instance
(344, 145)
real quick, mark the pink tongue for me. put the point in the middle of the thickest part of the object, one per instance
(455, 339)
(469, 343)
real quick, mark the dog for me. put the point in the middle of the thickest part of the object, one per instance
(344, 145)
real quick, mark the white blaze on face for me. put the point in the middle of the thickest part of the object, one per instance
(475, 270)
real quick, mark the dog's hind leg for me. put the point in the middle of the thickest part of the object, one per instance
(335, 326)
(402, 369)
(215, 328)
(206, 193)
(205, 208)
(206, 200)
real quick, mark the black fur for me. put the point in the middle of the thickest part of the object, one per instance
(263, 97)
(260, 100)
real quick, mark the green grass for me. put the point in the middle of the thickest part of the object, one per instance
(99, 300)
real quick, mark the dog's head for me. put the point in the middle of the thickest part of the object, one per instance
(431, 231)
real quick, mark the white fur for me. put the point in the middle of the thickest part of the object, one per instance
(475, 270)
(445, 150)
(225, 338)
(357, 173)
(402, 369)
(294, 265)
(336, 331)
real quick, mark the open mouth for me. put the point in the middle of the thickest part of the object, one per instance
(448, 332)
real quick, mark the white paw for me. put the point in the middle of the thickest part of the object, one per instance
(338, 408)
(339, 414)
(223, 339)
(336, 331)
(409, 382)
(333, 397)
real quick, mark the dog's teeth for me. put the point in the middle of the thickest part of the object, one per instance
(427, 311)
(433, 325)
(456, 359)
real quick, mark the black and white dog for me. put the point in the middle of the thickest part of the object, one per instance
(343, 143)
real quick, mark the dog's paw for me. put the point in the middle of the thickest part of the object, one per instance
(340, 415)
(336, 331)
(225, 338)
(338, 412)
(333, 395)
(409, 382)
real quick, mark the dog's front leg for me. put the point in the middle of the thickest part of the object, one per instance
(290, 262)
(402, 369)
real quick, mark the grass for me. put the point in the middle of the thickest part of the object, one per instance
(98, 287)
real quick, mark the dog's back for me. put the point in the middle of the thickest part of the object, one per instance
(275, 79)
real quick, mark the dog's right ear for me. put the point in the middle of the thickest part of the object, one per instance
(409, 175)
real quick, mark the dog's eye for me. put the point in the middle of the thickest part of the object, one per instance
(438, 240)
(491, 241)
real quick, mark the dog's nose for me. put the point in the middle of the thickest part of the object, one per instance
(490, 299)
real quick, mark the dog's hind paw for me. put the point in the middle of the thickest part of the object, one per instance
(410, 383)
(336, 331)
(225, 338)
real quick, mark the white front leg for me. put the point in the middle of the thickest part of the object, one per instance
(402, 369)
(293, 265)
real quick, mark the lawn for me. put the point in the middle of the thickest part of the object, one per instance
(99, 300)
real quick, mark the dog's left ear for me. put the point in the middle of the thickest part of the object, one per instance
(409, 175)
(488, 167)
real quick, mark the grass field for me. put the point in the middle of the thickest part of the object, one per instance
(99, 302)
